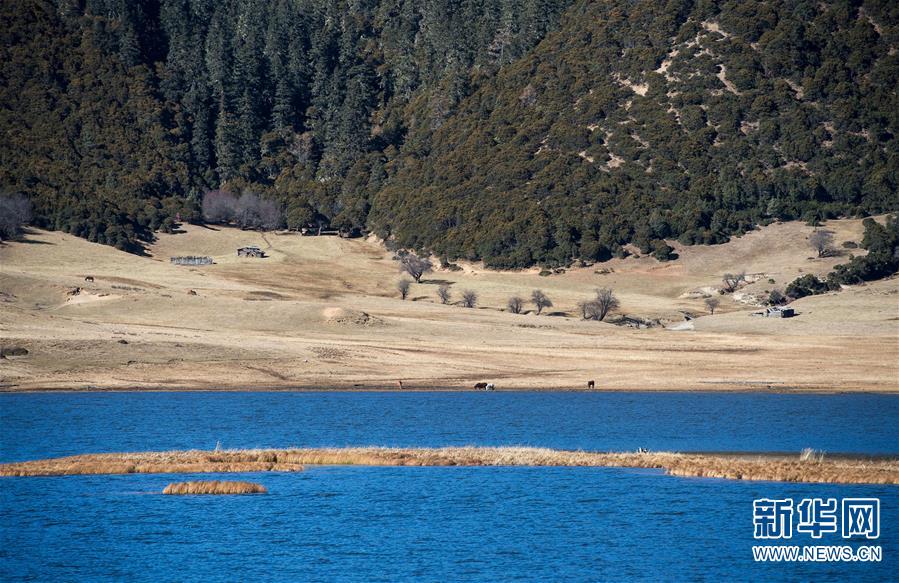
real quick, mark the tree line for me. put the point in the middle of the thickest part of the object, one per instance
(505, 130)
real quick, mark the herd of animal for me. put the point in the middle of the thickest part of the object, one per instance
(490, 386)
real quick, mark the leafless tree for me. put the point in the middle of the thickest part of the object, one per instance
(403, 286)
(712, 304)
(469, 298)
(218, 206)
(515, 304)
(415, 266)
(248, 212)
(732, 281)
(444, 293)
(822, 242)
(270, 215)
(606, 302)
(15, 211)
(540, 301)
(589, 309)
(252, 212)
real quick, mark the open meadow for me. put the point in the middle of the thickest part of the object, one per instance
(324, 313)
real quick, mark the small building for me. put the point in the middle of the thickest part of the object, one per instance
(250, 251)
(780, 312)
(776, 312)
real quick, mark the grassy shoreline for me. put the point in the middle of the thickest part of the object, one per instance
(737, 466)
(442, 388)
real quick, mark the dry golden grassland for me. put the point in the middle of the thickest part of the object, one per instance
(323, 313)
(798, 468)
(214, 487)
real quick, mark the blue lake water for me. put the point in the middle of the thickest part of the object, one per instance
(425, 524)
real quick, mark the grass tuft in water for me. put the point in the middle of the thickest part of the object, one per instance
(214, 487)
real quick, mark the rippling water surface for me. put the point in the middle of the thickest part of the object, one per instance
(424, 524)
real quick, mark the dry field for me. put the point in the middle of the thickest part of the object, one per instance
(730, 466)
(323, 313)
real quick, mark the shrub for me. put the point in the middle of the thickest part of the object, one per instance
(403, 286)
(444, 293)
(807, 285)
(776, 298)
(663, 251)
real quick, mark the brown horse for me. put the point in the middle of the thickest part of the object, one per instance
(591, 385)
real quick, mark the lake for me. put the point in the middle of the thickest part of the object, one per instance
(425, 524)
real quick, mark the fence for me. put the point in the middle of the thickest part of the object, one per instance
(191, 260)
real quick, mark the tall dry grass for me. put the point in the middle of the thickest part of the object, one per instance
(214, 487)
(731, 466)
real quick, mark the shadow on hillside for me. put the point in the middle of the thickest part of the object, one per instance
(24, 238)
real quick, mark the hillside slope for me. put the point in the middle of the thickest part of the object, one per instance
(637, 123)
(322, 312)
(513, 131)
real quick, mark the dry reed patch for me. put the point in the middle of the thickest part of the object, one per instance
(214, 487)
(730, 466)
(164, 462)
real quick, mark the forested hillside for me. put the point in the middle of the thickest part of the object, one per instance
(514, 131)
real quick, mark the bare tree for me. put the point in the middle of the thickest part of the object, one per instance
(270, 215)
(248, 212)
(540, 301)
(444, 293)
(732, 281)
(589, 309)
(403, 286)
(469, 298)
(218, 206)
(515, 304)
(415, 266)
(822, 242)
(606, 302)
(15, 211)
(712, 304)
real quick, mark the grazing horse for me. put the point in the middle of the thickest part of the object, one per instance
(89, 278)
(490, 387)
(481, 386)
(591, 385)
